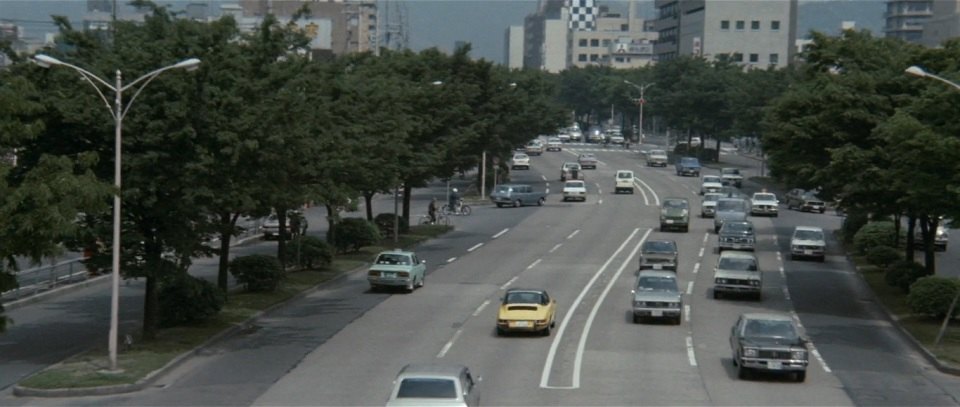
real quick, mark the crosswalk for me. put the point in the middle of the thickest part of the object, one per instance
(590, 147)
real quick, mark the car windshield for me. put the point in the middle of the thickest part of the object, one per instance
(573, 184)
(520, 157)
(674, 203)
(625, 175)
(764, 197)
(727, 205)
(586, 156)
(427, 388)
(656, 283)
(504, 188)
(523, 297)
(730, 171)
(394, 259)
(711, 197)
(735, 263)
(760, 328)
(737, 227)
(689, 161)
(571, 165)
(808, 235)
(711, 178)
(659, 246)
(658, 152)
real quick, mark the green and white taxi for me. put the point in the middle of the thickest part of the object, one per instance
(397, 268)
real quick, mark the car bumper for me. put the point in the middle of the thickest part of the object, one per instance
(658, 266)
(772, 211)
(775, 365)
(813, 208)
(730, 288)
(674, 223)
(592, 166)
(737, 246)
(656, 312)
(390, 282)
(735, 182)
(522, 326)
(657, 163)
(803, 252)
(689, 171)
(574, 197)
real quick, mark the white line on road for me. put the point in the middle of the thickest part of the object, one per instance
(570, 236)
(780, 259)
(686, 313)
(475, 247)
(705, 237)
(786, 293)
(451, 260)
(782, 274)
(696, 267)
(500, 233)
(555, 247)
(507, 284)
(690, 288)
(816, 354)
(481, 307)
(690, 354)
(544, 177)
(656, 198)
(642, 192)
(552, 353)
(600, 202)
(446, 347)
(532, 265)
(701, 252)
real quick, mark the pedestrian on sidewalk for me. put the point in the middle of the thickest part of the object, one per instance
(432, 210)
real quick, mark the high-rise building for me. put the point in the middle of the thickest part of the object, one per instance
(905, 19)
(759, 33)
(513, 52)
(943, 24)
(352, 23)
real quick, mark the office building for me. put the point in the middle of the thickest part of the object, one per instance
(943, 24)
(340, 26)
(905, 18)
(513, 51)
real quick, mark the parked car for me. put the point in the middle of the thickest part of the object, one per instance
(563, 136)
(296, 224)
(534, 147)
(659, 255)
(940, 238)
(397, 268)
(808, 241)
(656, 158)
(623, 181)
(737, 273)
(519, 161)
(708, 205)
(587, 160)
(526, 310)
(805, 201)
(517, 195)
(764, 203)
(675, 214)
(729, 209)
(435, 385)
(710, 183)
(656, 295)
(731, 176)
(768, 342)
(571, 170)
(688, 166)
(736, 235)
(574, 190)
(554, 144)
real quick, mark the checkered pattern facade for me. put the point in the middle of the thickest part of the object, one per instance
(583, 14)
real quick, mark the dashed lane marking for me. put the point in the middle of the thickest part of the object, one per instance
(507, 284)
(475, 247)
(532, 265)
(481, 307)
(696, 267)
(451, 260)
(786, 293)
(701, 252)
(686, 313)
(689, 288)
(500, 233)
(544, 177)
(705, 237)
(443, 352)
(690, 353)
(555, 247)
(570, 236)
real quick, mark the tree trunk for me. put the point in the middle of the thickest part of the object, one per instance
(282, 234)
(227, 224)
(151, 309)
(406, 206)
(332, 217)
(897, 217)
(929, 255)
(368, 200)
(911, 240)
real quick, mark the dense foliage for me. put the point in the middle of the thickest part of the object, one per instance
(932, 295)
(257, 272)
(185, 299)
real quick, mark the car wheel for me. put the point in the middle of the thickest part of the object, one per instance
(540, 201)
(499, 205)
(422, 281)
(821, 210)
(716, 229)
(822, 259)
(686, 228)
(676, 321)
(742, 372)
(801, 376)
(758, 296)
(500, 331)
(716, 295)
(410, 287)
(636, 319)
(517, 203)
(545, 331)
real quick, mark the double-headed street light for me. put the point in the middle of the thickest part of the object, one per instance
(118, 111)
(640, 102)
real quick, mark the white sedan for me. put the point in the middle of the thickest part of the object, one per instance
(575, 190)
(520, 161)
(711, 184)
(764, 203)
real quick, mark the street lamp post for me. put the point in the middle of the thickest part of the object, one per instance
(918, 71)
(640, 102)
(118, 111)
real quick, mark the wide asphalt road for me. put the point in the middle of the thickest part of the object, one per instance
(342, 345)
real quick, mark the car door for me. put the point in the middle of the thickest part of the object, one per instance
(420, 267)
(734, 339)
(471, 393)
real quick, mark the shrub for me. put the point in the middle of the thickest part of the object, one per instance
(852, 223)
(932, 295)
(903, 273)
(314, 252)
(384, 222)
(185, 299)
(882, 256)
(872, 234)
(353, 233)
(257, 272)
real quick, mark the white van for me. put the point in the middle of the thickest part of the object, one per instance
(624, 181)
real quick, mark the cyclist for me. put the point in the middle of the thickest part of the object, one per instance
(432, 210)
(454, 204)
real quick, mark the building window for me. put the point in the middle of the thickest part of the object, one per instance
(725, 25)
(755, 25)
(606, 42)
(583, 42)
(582, 57)
(774, 59)
(754, 58)
(775, 25)
(594, 57)
(737, 57)
(618, 59)
(740, 25)
(624, 27)
(594, 42)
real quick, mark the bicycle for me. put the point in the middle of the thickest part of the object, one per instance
(464, 209)
(441, 220)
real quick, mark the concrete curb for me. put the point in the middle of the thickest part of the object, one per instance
(147, 381)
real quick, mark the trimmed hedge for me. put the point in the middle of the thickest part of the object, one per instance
(185, 299)
(932, 296)
(883, 256)
(882, 233)
(351, 234)
(903, 273)
(852, 223)
(314, 252)
(257, 272)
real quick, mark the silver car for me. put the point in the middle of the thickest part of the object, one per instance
(729, 209)
(655, 295)
(768, 342)
(736, 235)
(658, 255)
(435, 385)
(708, 206)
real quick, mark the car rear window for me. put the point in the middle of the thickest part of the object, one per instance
(625, 175)
(427, 388)
(808, 235)
(574, 184)
(651, 283)
(659, 247)
(729, 263)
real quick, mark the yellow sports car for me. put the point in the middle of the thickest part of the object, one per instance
(526, 310)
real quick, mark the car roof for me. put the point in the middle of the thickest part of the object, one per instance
(657, 273)
(674, 198)
(809, 228)
(432, 369)
(767, 316)
(716, 194)
(512, 185)
(737, 254)
(395, 251)
(526, 290)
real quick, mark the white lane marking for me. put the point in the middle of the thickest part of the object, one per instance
(547, 185)
(544, 177)
(701, 252)
(780, 259)
(555, 248)
(582, 346)
(696, 267)
(481, 307)
(816, 354)
(600, 202)
(656, 198)
(690, 354)
(570, 236)
(475, 247)
(547, 191)
(642, 192)
(706, 236)
(782, 274)
(690, 288)
(443, 352)
(451, 260)
(507, 284)
(552, 353)
(786, 293)
(500, 233)
(532, 265)
(686, 313)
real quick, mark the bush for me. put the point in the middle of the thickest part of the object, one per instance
(903, 273)
(873, 234)
(257, 272)
(882, 256)
(314, 252)
(187, 299)
(353, 233)
(932, 296)
(384, 222)
(852, 223)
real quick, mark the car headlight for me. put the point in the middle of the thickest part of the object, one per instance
(403, 274)
(755, 283)
(799, 354)
(541, 321)
(750, 352)
(501, 322)
(684, 213)
(674, 305)
(721, 281)
(750, 240)
(637, 303)
(373, 273)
